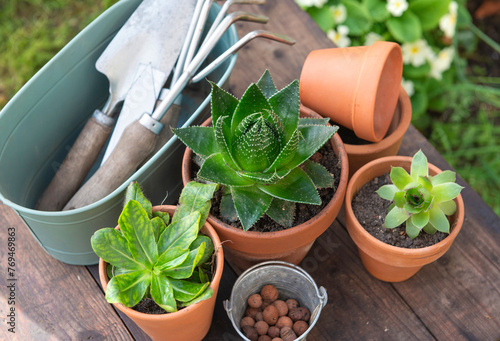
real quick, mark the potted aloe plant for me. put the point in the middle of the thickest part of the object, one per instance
(260, 150)
(157, 265)
(411, 220)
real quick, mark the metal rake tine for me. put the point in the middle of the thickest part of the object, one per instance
(237, 46)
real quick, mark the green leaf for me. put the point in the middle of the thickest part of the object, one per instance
(387, 192)
(411, 72)
(412, 209)
(266, 84)
(222, 136)
(110, 245)
(420, 219)
(185, 270)
(419, 165)
(322, 16)
(296, 187)
(185, 291)
(195, 196)
(318, 174)
(358, 19)
(250, 204)
(429, 229)
(446, 191)
(138, 230)
(377, 9)
(286, 154)
(201, 140)
(171, 258)
(180, 234)
(429, 11)
(282, 212)
(128, 289)
(266, 178)
(443, 177)
(425, 182)
(400, 199)
(158, 227)
(209, 247)
(307, 121)
(204, 296)
(286, 105)
(411, 230)
(438, 219)
(163, 215)
(448, 207)
(314, 137)
(163, 294)
(406, 28)
(464, 19)
(216, 170)
(134, 192)
(396, 217)
(227, 209)
(252, 101)
(222, 103)
(400, 177)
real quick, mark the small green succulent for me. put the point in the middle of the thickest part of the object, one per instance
(152, 257)
(258, 149)
(420, 200)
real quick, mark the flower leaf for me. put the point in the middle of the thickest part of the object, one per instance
(180, 234)
(419, 166)
(138, 230)
(110, 245)
(396, 217)
(134, 192)
(195, 197)
(203, 296)
(171, 258)
(438, 219)
(411, 230)
(185, 291)
(400, 177)
(185, 270)
(158, 227)
(282, 212)
(429, 12)
(129, 288)
(209, 247)
(250, 204)
(448, 207)
(200, 139)
(266, 84)
(406, 28)
(296, 187)
(387, 192)
(446, 191)
(163, 294)
(443, 177)
(420, 219)
(216, 170)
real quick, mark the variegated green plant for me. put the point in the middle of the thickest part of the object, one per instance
(152, 257)
(259, 150)
(419, 199)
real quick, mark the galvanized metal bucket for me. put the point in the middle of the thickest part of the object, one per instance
(44, 118)
(291, 282)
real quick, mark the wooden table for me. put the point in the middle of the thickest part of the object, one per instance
(455, 298)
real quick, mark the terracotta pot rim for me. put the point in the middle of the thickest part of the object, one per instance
(187, 310)
(402, 127)
(422, 252)
(342, 155)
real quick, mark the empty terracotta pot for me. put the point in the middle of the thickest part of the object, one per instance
(357, 87)
(387, 262)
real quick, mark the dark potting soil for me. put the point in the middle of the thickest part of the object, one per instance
(303, 212)
(348, 136)
(148, 306)
(370, 210)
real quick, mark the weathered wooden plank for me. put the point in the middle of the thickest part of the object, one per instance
(53, 300)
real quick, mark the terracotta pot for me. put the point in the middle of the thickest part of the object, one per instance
(187, 324)
(361, 154)
(386, 262)
(357, 87)
(246, 248)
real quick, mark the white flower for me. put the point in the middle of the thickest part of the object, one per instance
(311, 3)
(441, 62)
(339, 13)
(408, 86)
(416, 53)
(396, 7)
(448, 22)
(372, 37)
(339, 37)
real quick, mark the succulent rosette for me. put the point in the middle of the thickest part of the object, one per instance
(420, 200)
(259, 150)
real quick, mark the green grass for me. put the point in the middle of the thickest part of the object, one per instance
(33, 31)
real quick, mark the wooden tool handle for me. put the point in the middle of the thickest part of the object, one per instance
(136, 144)
(77, 163)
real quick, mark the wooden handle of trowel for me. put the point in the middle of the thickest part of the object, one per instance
(76, 165)
(135, 144)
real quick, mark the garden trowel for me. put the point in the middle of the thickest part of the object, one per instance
(153, 35)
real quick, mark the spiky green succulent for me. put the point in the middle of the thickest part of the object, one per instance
(258, 149)
(419, 199)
